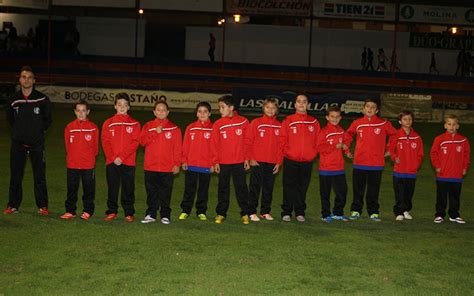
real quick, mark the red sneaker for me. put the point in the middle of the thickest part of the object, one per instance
(110, 217)
(85, 216)
(67, 216)
(10, 210)
(129, 219)
(43, 211)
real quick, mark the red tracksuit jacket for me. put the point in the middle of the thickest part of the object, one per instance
(229, 140)
(451, 154)
(264, 134)
(409, 150)
(197, 145)
(162, 150)
(299, 134)
(81, 138)
(331, 160)
(371, 141)
(120, 136)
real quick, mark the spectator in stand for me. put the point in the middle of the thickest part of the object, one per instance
(212, 46)
(460, 63)
(433, 64)
(382, 58)
(363, 59)
(370, 60)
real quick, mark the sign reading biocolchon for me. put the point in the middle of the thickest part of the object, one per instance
(35, 4)
(138, 97)
(270, 7)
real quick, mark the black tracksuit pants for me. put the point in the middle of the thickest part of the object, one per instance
(296, 179)
(339, 185)
(237, 172)
(193, 181)
(124, 176)
(444, 191)
(74, 177)
(404, 189)
(261, 179)
(18, 155)
(363, 180)
(159, 186)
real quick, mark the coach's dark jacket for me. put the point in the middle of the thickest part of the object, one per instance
(29, 118)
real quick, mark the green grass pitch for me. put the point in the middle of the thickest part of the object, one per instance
(45, 255)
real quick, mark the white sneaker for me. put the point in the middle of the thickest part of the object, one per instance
(254, 218)
(165, 221)
(457, 220)
(286, 218)
(148, 219)
(267, 217)
(300, 218)
(399, 218)
(438, 220)
(407, 215)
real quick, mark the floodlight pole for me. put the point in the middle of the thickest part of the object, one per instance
(310, 41)
(394, 43)
(137, 7)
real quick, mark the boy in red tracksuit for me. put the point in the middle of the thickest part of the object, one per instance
(331, 167)
(265, 159)
(299, 134)
(406, 151)
(230, 158)
(120, 139)
(197, 163)
(450, 156)
(162, 141)
(369, 158)
(81, 138)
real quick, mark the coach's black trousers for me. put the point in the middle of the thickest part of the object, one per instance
(124, 176)
(191, 182)
(445, 191)
(404, 189)
(18, 155)
(339, 185)
(261, 178)
(237, 172)
(363, 180)
(74, 176)
(159, 186)
(296, 179)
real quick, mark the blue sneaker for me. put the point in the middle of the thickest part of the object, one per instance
(375, 217)
(354, 215)
(327, 219)
(339, 218)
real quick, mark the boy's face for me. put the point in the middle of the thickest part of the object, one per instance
(451, 125)
(203, 114)
(301, 104)
(122, 107)
(334, 117)
(81, 112)
(269, 109)
(370, 109)
(161, 112)
(406, 121)
(225, 110)
(27, 79)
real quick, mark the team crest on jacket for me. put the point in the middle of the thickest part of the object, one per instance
(458, 148)
(36, 110)
(277, 132)
(413, 145)
(238, 132)
(311, 128)
(445, 150)
(88, 137)
(377, 131)
(207, 135)
(129, 129)
(168, 135)
(192, 136)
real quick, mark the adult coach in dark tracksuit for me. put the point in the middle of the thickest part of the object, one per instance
(29, 115)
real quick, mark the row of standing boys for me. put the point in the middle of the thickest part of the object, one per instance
(233, 145)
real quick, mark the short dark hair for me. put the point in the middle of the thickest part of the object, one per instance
(333, 108)
(162, 102)
(82, 102)
(122, 96)
(27, 69)
(371, 101)
(227, 99)
(205, 105)
(405, 113)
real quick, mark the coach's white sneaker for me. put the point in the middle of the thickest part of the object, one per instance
(457, 220)
(286, 218)
(438, 220)
(148, 219)
(165, 221)
(399, 218)
(254, 218)
(407, 215)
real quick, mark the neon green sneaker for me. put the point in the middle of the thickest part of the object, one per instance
(375, 217)
(219, 219)
(354, 215)
(183, 216)
(202, 217)
(245, 219)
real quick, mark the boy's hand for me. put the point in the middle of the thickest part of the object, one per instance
(118, 161)
(246, 165)
(344, 147)
(254, 163)
(387, 154)
(211, 169)
(217, 168)
(276, 168)
(349, 155)
(175, 169)
(464, 171)
(184, 166)
(159, 129)
(339, 146)
(438, 170)
(397, 160)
